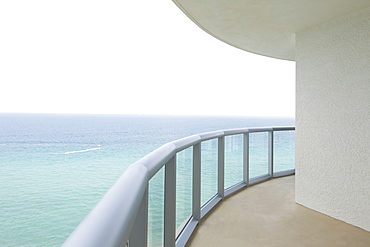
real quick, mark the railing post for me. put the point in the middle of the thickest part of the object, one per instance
(221, 166)
(196, 180)
(170, 203)
(246, 158)
(271, 153)
(139, 232)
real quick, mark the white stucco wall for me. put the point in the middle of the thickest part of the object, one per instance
(333, 118)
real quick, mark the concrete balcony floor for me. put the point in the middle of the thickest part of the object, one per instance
(267, 215)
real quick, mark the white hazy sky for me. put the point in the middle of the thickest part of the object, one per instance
(130, 57)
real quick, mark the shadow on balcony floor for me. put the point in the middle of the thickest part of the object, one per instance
(267, 215)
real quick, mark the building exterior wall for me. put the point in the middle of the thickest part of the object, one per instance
(333, 118)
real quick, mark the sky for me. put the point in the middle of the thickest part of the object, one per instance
(130, 57)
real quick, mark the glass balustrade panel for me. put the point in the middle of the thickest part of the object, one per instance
(209, 173)
(258, 154)
(284, 150)
(156, 209)
(184, 187)
(233, 160)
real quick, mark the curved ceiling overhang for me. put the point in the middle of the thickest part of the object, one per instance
(265, 27)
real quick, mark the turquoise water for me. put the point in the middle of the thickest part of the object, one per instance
(55, 168)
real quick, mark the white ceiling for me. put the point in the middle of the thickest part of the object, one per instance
(265, 27)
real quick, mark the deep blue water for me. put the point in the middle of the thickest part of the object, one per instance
(56, 167)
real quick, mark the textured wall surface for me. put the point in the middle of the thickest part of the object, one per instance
(333, 118)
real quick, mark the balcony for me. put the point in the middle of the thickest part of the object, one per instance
(266, 215)
(259, 210)
(237, 158)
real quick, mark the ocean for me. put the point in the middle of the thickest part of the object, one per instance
(56, 167)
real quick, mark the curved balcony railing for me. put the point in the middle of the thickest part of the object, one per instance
(121, 217)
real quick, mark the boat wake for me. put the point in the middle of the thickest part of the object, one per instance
(82, 151)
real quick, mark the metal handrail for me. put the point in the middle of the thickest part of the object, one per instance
(121, 216)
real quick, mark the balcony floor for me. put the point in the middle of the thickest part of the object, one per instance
(267, 215)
